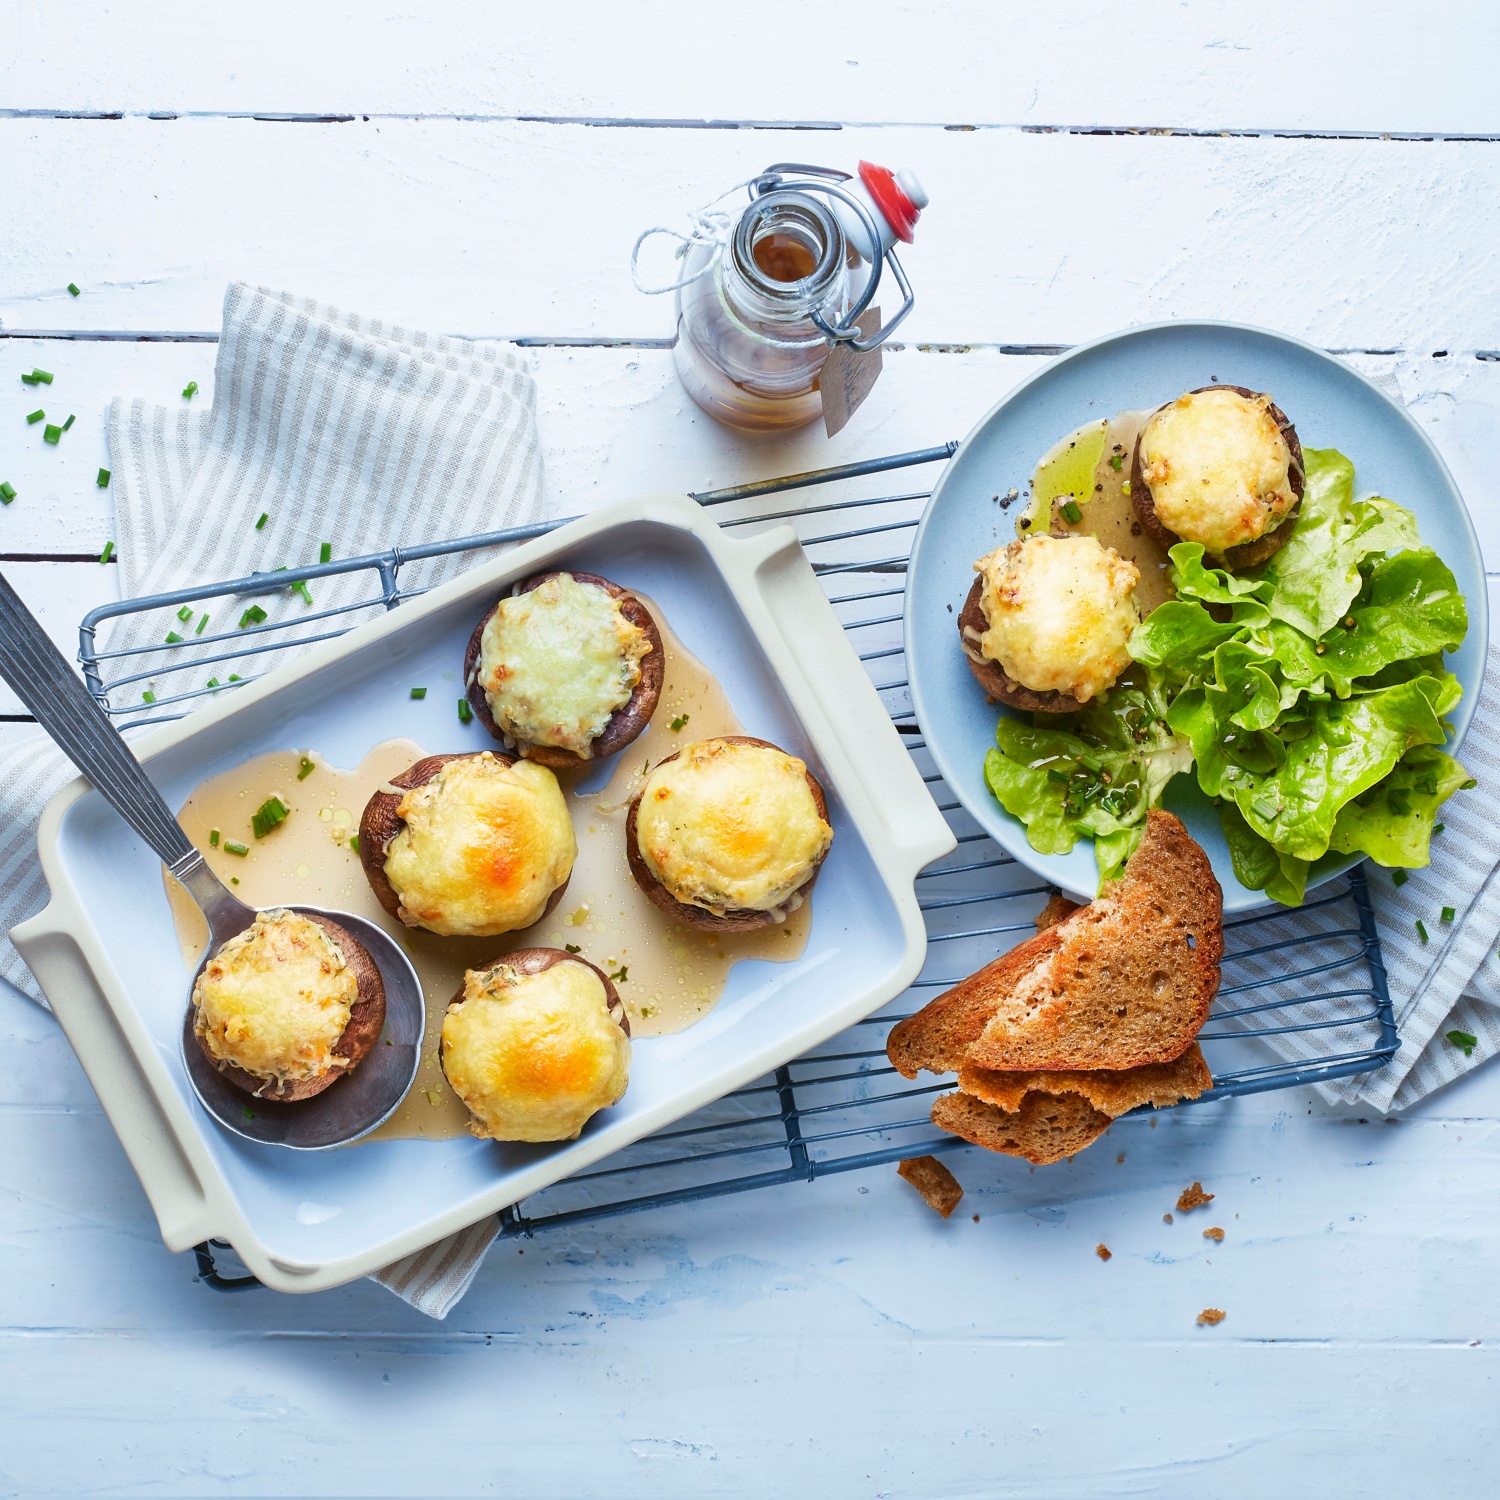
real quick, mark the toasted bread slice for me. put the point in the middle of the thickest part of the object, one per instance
(1122, 982)
(1046, 1128)
(1112, 1091)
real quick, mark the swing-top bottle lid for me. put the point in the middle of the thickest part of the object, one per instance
(895, 201)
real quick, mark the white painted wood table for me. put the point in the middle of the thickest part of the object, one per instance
(1329, 170)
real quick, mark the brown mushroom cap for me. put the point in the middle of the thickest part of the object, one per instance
(624, 724)
(360, 1033)
(736, 918)
(997, 683)
(1247, 554)
(381, 822)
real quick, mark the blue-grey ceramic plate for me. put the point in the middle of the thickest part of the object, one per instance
(1331, 407)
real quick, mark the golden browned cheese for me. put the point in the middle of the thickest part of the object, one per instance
(557, 662)
(729, 825)
(482, 847)
(534, 1056)
(1060, 612)
(275, 1000)
(1218, 468)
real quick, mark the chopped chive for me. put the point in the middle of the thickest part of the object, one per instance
(1449, 913)
(148, 696)
(72, 418)
(43, 377)
(1463, 1040)
(234, 676)
(265, 516)
(270, 814)
(33, 417)
(184, 614)
(7, 492)
(1399, 877)
(677, 723)
(103, 480)
(572, 948)
(465, 712)
(51, 433)
(1421, 930)
(300, 587)
(213, 837)
(419, 692)
(109, 552)
(248, 1112)
(325, 552)
(1116, 461)
(305, 768)
(252, 616)
(212, 682)
(234, 880)
(173, 639)
(190, 390)
(73, 289)
(233, 846)
(202, 621)
(354, 843)
(1071, 513)
(30, 380)
(620, 975)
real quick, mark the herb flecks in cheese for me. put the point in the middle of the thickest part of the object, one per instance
(731, 826)
(482, 847)
(1060, 612)
(1218, 468)
(556, 663)
(533, 1056)
(275, 1000)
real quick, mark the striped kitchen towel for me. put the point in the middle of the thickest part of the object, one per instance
(1444, 975)
(324, 427)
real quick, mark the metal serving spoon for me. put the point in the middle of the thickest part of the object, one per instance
(348, 1109)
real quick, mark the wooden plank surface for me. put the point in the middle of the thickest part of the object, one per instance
(836, 1338)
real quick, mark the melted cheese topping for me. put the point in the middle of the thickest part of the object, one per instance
(533, 1056)
(1218, 468)
(275, 1000)
(483, 847)
(1060, 611)
(557, 663)
(731, 826)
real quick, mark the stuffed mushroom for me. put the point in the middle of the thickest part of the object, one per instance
(289, 1006)
(468, 845)
(1046, 625)
(728, 835)
(1221, 466)
(565, 670)
(535, 1045)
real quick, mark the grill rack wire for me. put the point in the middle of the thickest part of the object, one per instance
(842, 1106)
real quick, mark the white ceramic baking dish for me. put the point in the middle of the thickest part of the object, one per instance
(105, 952)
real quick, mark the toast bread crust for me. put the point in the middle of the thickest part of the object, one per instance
(1045, 1129)
(1112, 1091)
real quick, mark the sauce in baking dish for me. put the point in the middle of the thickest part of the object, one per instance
(668, 975)
(1081, 470)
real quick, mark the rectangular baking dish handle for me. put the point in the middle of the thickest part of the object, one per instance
(171, 1184)
(800, 617)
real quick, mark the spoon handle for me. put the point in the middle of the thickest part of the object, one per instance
(44, 682)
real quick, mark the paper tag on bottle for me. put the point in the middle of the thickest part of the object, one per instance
(848, 375)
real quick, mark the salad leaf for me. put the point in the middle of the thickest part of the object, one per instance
(1095, 773)
(1392, 822)
(1257, 864)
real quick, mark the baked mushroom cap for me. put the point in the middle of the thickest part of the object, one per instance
(734, 919)
(539, 1068)
(382, 821)
(624, 725)
(998, 685)
(360, 1033)
(1249, 554)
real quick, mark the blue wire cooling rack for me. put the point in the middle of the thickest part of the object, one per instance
(842, 1106)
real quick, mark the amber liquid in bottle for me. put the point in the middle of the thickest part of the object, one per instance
(747, 351)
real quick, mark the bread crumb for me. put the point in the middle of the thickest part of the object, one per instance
(1168, 1219)
(976, 1218)
(933, 1181)
(1119, 1160)
(1211, 1315)
(1216, 1234)
(1193, 1197)
(1103, 1251)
